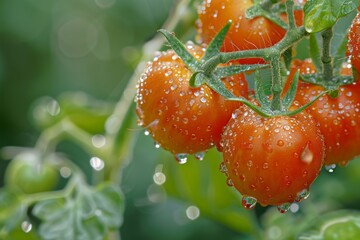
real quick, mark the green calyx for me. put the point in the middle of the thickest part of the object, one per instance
(209, 71)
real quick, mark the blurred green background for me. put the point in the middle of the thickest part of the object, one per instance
(51, 47)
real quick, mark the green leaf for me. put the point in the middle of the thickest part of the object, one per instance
(260, 91)
(215, 45)
(89, 215)
(180, 50)
(197, 79)
(200, 183)
(218, 86)
(323, 14)
(236, 69)
(12, 211)
(342, 224)
(257, 10)
(311, 78)
(290, 94)
(288, 57)
(302, 108)
(315, 52)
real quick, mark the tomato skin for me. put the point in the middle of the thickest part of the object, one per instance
(244, 33)
(180, 118)
(272, 159)
(26, 174)
(353, 45)
(338, 118)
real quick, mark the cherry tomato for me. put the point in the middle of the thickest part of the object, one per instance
(353, 46)
(182, 119)
(28, 175)
(244, 33)
(338, 118)
(272, 161)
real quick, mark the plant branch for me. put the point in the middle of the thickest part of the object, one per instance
(326, 58)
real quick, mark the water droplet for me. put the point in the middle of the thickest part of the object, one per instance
(98, 140)
(98, 212)
(159, 178)
(203, 100)
(294, 208)
(140, 122)
(284, 207)
(306, 155)
(97, 163)
(65, 172)
(303, 195)
(157, 145)
(229, 182)
(147, 133)
(265, 165)
(181, 158)
(280, 143)
(330, 168)
(200, 156)
(53, 107)
(192, 212)
(248, 202)
(223, 167)
(26, 226)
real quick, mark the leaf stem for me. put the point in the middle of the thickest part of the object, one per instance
(326, 58)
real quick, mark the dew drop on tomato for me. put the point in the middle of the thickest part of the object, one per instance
(181, 158)
(223, 167)
(302, 195)
(199, 156)
(229, 182)
(307, 156)
(248, 202)
(283, 208)
(157, 145)
(330, 168)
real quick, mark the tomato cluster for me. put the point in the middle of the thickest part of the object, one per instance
(269, 160)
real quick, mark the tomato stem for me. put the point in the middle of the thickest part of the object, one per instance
(326, 58)
(290, 13)
(276, 87)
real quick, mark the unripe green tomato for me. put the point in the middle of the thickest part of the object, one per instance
(28, 174)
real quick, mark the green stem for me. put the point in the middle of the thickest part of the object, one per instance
(38, 197)
(291, 37)
(290, 13)
(326, 58)
(276, 87)
(66, 129)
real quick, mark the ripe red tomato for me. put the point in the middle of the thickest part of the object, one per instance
(182, 119)
(354, 43)
(338, 118)
(244, 33)
(272, 160)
